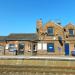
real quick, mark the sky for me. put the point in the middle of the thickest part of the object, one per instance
(20, 16)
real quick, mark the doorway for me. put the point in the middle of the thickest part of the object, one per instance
(21, 47)
(66, 48)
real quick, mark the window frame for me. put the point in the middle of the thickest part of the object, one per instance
(12, 47)
(72, 32)
(50, 33)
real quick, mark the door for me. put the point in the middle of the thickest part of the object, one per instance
(50, 47)
(66, 48)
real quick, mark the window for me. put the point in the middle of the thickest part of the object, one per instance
(50, 47)
(37, 29)
(39, 46)
(12, 47)
(71, 32)
(1, 47)
(50, 31)
(33, 47)
(21, 46)
(44, 46)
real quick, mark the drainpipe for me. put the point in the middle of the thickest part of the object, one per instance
(32, 48)
(4, 47)
(4, 50)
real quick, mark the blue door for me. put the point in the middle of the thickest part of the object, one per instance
(66, 48)
(50, 47)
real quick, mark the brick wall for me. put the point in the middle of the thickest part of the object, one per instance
(58, 31)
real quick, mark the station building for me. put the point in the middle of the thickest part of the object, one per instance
(50, 38)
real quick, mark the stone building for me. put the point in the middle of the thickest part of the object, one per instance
(55, 39)
(50, 38)
(20, 43)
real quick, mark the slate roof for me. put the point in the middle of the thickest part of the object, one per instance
(2, 38)
(21, 36)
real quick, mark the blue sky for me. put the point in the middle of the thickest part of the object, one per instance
(20, 16)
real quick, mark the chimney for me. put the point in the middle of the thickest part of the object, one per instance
(39, 23)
